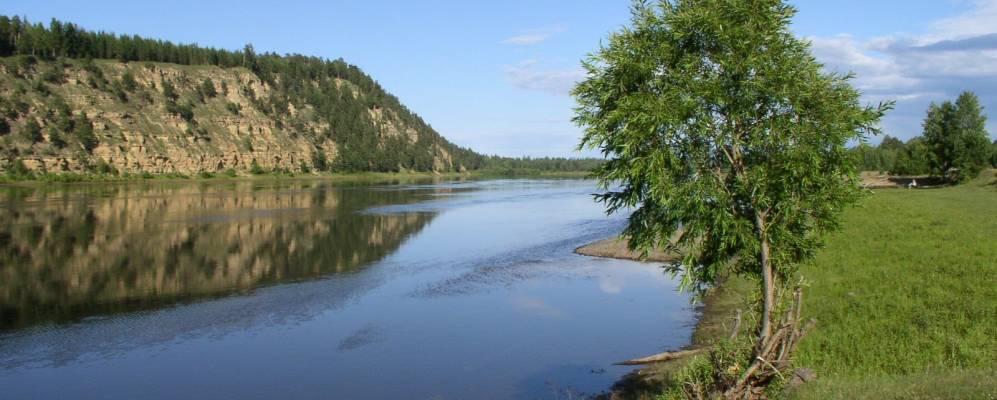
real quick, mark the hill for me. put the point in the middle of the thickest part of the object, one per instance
(73, 100)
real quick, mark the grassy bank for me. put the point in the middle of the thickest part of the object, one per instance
(905, 296)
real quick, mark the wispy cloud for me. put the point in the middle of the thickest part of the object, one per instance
(955, 54)
(528, 75)
(533, 36)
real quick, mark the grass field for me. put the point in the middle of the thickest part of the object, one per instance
(906, 298)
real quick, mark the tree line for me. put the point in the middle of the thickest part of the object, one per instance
(954, 144)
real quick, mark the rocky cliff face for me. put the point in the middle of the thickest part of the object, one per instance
(168, 118)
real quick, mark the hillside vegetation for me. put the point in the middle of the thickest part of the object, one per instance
(73, 100)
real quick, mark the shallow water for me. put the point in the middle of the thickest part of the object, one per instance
(305, 289)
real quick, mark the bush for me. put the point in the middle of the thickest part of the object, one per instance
(185, 111)
(18, 170)
(233, 108)
(56, 138)
(319, 161)
(230, 173)
(32, 131)
(256, 169)
(128, 81)
(83, 131)
(208, 88)
(102, 167)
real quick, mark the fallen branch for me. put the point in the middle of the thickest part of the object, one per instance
(662, 357)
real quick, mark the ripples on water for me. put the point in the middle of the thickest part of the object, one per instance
(304, 289)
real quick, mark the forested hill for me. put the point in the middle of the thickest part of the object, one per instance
(71, 99)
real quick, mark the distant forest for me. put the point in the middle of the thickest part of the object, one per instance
(297, 80)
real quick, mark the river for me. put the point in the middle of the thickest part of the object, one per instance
(307, 289)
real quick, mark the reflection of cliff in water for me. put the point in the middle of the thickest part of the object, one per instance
(66, 254)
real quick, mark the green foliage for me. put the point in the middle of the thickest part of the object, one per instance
(256, 169)
(993, 154)
(83, 131)
(17, 170)
(56, 138)
(233, 108)
(208, 89)
(102, 167)
(128, 82)
(230, 173)
(319, 161)
(913, 158)
(205, 175)
(169, 91)
(31, 131)
(717, 121)
(957, 137)
(185, 110)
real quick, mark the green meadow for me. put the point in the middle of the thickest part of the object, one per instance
(904, 295)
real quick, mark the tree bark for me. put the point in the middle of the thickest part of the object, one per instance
(768, 281)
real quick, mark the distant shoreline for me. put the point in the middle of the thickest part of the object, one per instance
(222, 177)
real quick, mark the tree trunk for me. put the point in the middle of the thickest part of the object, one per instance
(768, 281)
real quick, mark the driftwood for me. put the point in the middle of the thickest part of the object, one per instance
(675, 355)
(662, 357)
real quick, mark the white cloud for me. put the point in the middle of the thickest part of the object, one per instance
(528, 75)
(533, 36)
(957, 53)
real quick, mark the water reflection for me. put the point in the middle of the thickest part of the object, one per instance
(76, 251)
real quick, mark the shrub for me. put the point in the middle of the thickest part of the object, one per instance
(233, 108)
(18, 170)
(256, 169)
(32, 131)
(208, 88)
(83, 131)
(128, 81)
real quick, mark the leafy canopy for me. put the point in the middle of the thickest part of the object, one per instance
(722, 129)
(957, 137)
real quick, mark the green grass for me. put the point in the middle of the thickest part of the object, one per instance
(906, 297)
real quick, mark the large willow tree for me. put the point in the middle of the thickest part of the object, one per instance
(725, 137)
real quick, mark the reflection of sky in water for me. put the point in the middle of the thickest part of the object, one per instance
(486, 300)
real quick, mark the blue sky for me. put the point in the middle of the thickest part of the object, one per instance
(494, 76)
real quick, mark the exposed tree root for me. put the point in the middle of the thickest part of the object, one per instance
(773, 355)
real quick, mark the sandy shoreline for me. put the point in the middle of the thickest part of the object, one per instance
(616, 247)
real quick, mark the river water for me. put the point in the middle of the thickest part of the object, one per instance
(318, 290)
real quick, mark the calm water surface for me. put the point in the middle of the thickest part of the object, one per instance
(308, 289)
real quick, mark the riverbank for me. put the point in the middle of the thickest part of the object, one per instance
(904, 298)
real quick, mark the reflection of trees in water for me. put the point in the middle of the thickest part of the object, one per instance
(73, 252)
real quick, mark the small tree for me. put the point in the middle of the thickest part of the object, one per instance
(32, 132)
(208, 88)
(957, 137)
(727, 140)
(83, 131)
